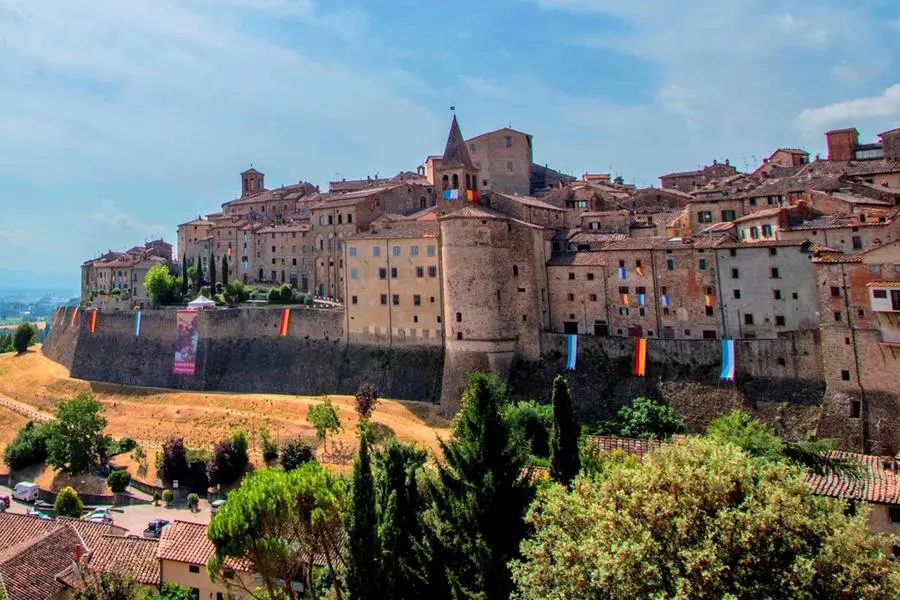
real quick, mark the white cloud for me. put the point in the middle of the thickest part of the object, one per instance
(122, 222)
(886, 104)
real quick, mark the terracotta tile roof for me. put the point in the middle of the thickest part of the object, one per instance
(718, 227)
(15, 529)
(401, 230)
(681, 174)
(873, 167)
(187, 543)
(884, 284)
(851, 198)
(642, 243)
(817, 248)
(631, 446)
(596, 238)
(877, 481)
(133, 555)
(471, 211)
(28, 570)
(760, 214)
(287, 228)
(838, 258)
(92, 533)
(577, 259)
(531, 201)
(766, 244)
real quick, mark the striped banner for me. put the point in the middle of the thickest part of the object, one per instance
(665, 300)
(572, 347)
(285, 319)
(137, 323)
(640, 300)
(727, 360)
(92, 324)
(639, 271)
(623, 273)
(625, 299)
(640, 357)
(707, 299)
(74, 316)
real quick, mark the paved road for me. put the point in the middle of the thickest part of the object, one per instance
(133, 518)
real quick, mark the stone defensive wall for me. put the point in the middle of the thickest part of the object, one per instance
(241, 350)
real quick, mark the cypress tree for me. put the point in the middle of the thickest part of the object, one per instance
(212, 273)
(564, 459)
(224, 270)
(479, 497)
(184, 278)
(363, 566)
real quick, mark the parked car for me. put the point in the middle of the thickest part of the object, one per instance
(4, 502)
(26, 491)
(39, 515)
(154, 528)
(216, 505)
(101, 515)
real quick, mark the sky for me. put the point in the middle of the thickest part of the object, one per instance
(120, 119)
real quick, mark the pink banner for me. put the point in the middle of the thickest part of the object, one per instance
(186, 344)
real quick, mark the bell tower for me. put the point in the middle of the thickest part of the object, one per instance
(252, 182)
(456, 176)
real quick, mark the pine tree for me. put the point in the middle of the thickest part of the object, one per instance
(212, 273)
(400, 532)
(363, 566)
(184, 275)
(479, 498)
(564, 459)
(224, 270)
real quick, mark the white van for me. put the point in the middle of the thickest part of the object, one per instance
(26, 491)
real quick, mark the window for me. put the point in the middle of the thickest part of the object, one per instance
(395, 250)
(354, 300)
(874, 268)
(704, 216)
(775, 273)
(835, 291)
(432, 271)
(702, 264)
(637, 264)
(752, 201)
(382, 273)
(393, 272)
(294, 261)
(735, 274)
(857, 242)
(855, 405)
(353, 251)
(732, 252)
(590, 276)
(776, 294)
(571, 276)
(354, 273)
(670, 264)
(417, 300)
(376, 251)
(779, 321)
(882, 294)
(640, 290)
(321, 221)
(737, 294)
(571, 298)
(728, 215)
(767, 232)
(430, 250)
(420, 272)
(414, 251)
(509, 166)
(340, 219)
(459, 317)
(709, 310)
(794, 296)
(894, 514)
(592, 297)
(623, 289)
(395, 300)
(754, 232)
(194, 568)
(508, 140)
(748, 319)
(349, 217)
(837, 316)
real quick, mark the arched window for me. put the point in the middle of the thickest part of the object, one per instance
(468, 182)
(445, 181)
(455, 182)
(515, 270)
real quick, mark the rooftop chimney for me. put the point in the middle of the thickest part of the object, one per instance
(841, 143)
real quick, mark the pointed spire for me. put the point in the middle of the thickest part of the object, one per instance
(455, 152)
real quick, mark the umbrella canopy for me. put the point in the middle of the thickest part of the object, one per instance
(201, 302)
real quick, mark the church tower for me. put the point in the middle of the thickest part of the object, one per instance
(252, 182)
(456, 176)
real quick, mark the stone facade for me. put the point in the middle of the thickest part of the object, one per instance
(504, 159)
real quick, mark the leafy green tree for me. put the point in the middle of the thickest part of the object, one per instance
(106, 586)
(212, 272)
(699, 520)
(235, 292)
(29, 447)
(224, 270)
(159, 284)
(171, 591)
(747, 433)
(400, 529)
(479, 496)
(68, 504)
(281, 522)
(324, 419)
(184, 275)
(646, 418)
(118, 481)
(174, 464)
(364, 564)
(268, 445)
(534, 421)
(23, 336)
(229, 459)
(196, 275)
(296, 452)
(286, 293)
(564, 458)
(75, 439)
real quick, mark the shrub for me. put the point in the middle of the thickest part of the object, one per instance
(118, 481)
(156, 497)
(23, 336)
(366, 399)
(193, 500)
(229, 460)
(268, 446)
(29, 447)
(534, 421)
(648, 418)
(286, 292)
(274, 296)
(308, 301)
(68, 504)
(168, 496)
(174, 466)
(295, 453)
(126, 444)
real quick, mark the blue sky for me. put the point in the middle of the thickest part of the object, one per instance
(120, 119)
